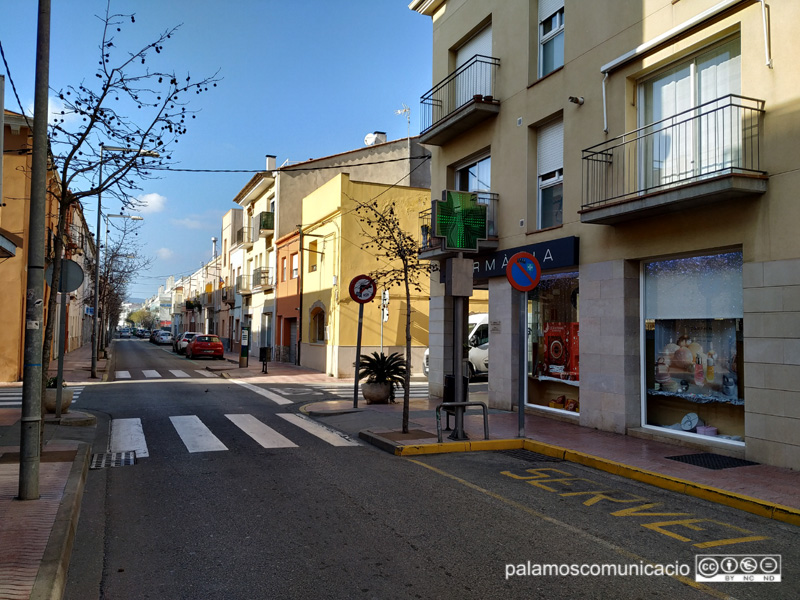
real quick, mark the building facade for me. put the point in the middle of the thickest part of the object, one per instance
(644, 157)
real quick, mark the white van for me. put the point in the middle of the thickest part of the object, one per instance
(479, 347)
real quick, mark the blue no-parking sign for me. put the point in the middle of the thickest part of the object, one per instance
(523, 271)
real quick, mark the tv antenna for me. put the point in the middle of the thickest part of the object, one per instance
(407, 111)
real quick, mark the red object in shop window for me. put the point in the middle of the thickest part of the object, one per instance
(561, 350)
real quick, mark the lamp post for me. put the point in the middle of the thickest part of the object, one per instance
(95, 322)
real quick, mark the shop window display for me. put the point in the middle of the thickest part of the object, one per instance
(554, 343)
(693, 345)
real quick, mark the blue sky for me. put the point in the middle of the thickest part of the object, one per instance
(300, 79)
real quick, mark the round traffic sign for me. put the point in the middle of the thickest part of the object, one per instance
(71, 275)
(363, 289)
(523, 271)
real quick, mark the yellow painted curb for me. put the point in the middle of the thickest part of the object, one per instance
(543, 448)
(745, 503)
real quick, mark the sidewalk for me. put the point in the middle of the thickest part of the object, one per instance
(36, 536)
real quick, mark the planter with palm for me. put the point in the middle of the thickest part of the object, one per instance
(383, 374)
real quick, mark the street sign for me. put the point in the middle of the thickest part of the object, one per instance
(523, 271)
(363, 289)
(71, 276)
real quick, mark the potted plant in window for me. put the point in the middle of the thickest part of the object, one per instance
(383, 374)
(50, 392)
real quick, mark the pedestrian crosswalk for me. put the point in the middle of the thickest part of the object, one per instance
(12, 397)
(166, 374)
(418, 389)
(130, 434)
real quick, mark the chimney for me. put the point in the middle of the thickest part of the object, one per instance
(270, 162)
(380, 137)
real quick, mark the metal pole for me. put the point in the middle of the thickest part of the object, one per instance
(31, 421)
(358, 354)
(523, 362)
(97, 271)
(61, 342)
(458, 366)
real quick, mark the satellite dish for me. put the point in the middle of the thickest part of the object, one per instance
(369, 139)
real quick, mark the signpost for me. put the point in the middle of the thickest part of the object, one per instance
(243, 358)
(523, 273)
(362, 290)
(71, 279)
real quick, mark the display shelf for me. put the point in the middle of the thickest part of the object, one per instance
(699, 398)
(557, 380)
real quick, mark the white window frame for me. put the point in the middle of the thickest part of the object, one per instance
(550, 172)
(549, 180)
(558, 13)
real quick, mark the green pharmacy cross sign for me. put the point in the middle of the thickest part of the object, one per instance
(460, 220)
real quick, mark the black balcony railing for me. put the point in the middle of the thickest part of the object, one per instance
(427, 241)
(263, 277)
(720, 137)
(243, 284)
(473, 81)
(266, 222)
(244, 236)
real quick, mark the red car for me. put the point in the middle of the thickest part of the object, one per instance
(205, 345)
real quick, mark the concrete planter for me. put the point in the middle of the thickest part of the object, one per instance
(376, 393)
(49, 400)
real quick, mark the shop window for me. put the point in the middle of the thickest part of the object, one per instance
(693, 345)
(317, 326)
(551, 36)
(553, 343)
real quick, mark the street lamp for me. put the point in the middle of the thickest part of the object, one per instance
(95, 323)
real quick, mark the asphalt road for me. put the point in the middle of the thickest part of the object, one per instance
(317, 520)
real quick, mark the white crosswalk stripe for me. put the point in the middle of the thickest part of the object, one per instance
(417, 390)
(11, 397)
(276, 398)
(179, 373)
(195, 435)
(122, 375)
(129, 434)
(149, 373)
(163, 374)
(205, 373)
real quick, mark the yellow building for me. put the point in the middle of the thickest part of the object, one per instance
(333, 253)
(644, 152)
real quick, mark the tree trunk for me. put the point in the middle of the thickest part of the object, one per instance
(52, 301)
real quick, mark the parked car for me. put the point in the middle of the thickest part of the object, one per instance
(125, 332)
(205, 345)
(180, 343)
(163, 338)
(479, 347)
(153, 335)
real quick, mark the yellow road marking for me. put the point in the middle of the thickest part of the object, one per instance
(579, 532)
(636, 511)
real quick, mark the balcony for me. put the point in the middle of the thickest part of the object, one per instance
(707, 154)
(263, 279)
(460, 102)
(265, 224)
(207, 299)
(243, 285)
(244, 237)
(228, 295)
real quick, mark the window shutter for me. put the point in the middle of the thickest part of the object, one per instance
(548, 7)
(480, 43)
(550, 154)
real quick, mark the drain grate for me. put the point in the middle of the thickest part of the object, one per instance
(712, 461)
(528, 456)
(113, 459)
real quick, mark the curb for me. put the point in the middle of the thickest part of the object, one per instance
(763, 508)
(52, 576)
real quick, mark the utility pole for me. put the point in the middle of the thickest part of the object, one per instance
(31, 422)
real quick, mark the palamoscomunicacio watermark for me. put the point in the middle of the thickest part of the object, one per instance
(529, 569)
(731, 568)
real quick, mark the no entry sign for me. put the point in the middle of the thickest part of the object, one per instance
(362, 289)
(523, 271)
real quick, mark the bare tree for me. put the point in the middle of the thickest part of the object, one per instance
(125, 105)
(398, 250)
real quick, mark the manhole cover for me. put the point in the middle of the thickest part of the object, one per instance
(712, 461)
(528, 455)
(113, 459)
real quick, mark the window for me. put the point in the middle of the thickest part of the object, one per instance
(550, 159)
(317, 326)
(312, 256)
(477, 177)
(283, 269)
(694, 367)
(295, 265)
(551, 36)
(693, 142)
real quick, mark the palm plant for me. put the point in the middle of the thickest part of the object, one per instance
(379, 368)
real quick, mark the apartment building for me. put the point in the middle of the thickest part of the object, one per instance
(643, 152)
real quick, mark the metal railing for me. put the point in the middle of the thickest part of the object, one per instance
(426, 227)
(243, 284)
(265, 222)
(243, 236)
(427, 240)
(263, 277)
(474, 78)
(720, 137)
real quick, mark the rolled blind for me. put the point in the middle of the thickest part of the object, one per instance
(548, 7)
(480, 43)
(551, 147)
